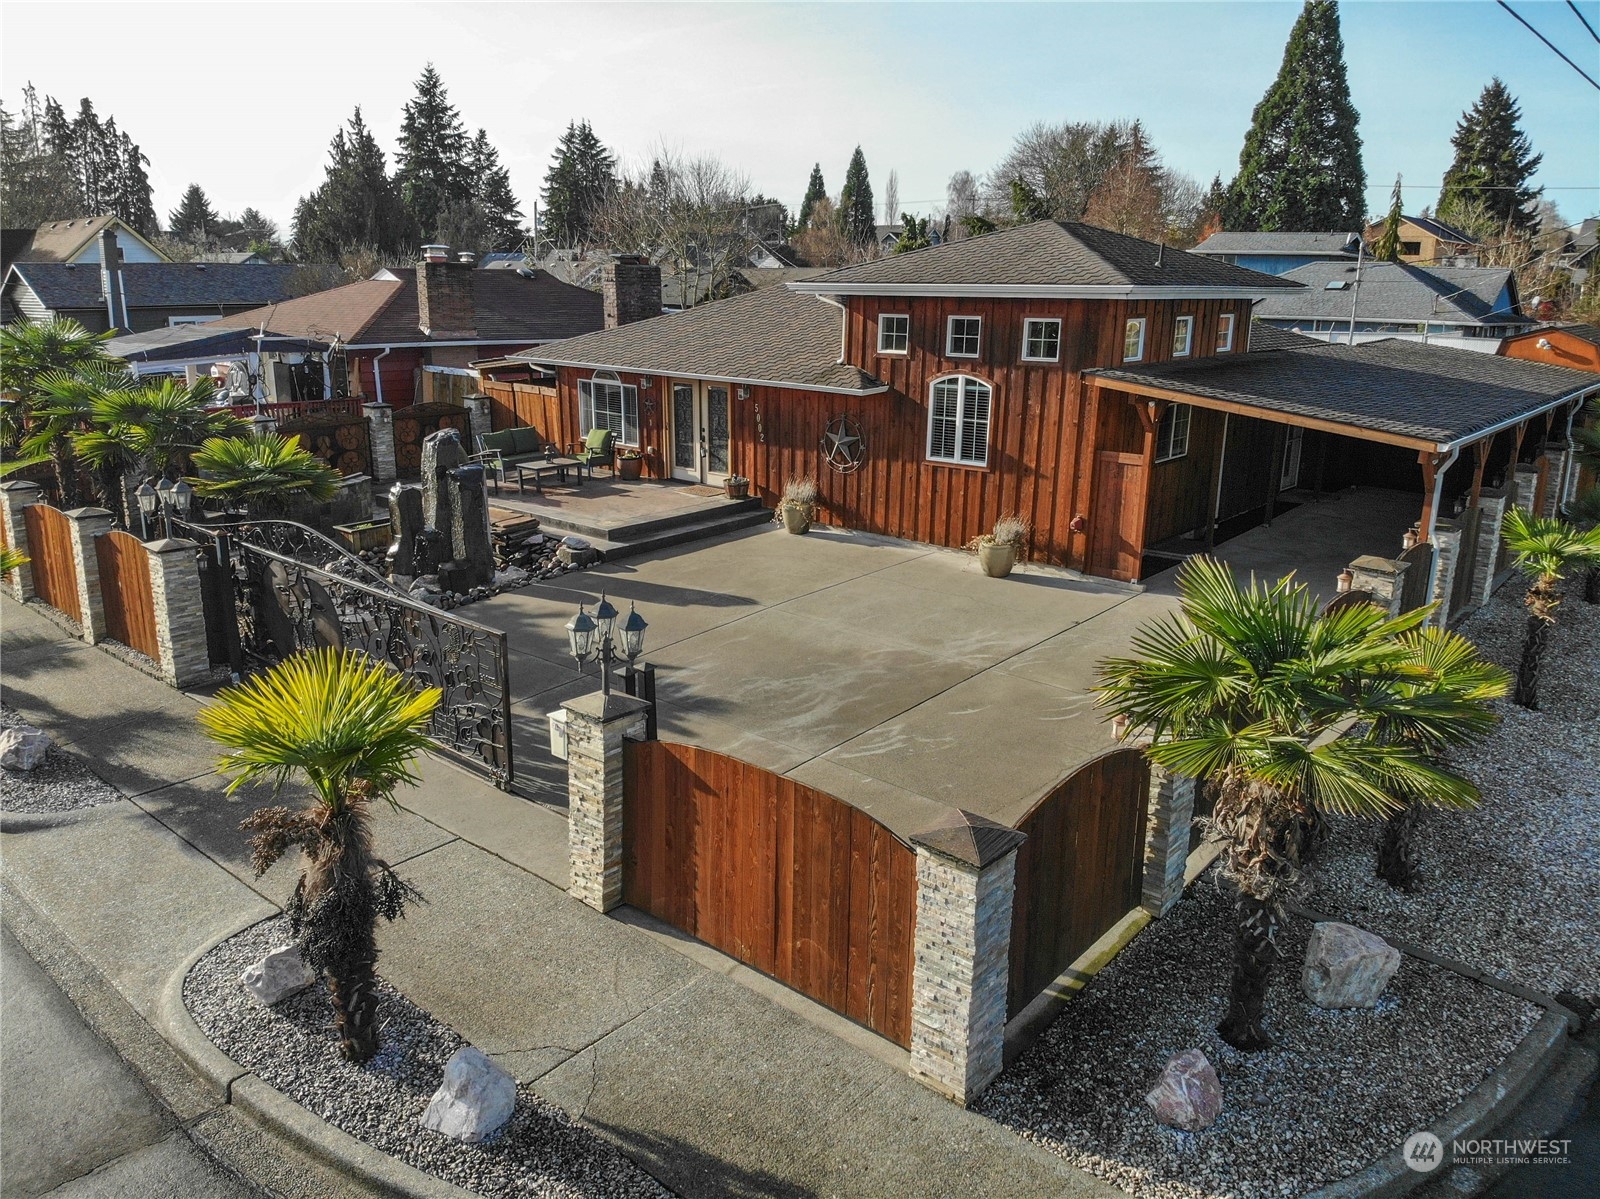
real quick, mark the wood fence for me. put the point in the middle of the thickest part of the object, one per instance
(533, 405)
(1414, 589)
(125, 591)
(1079, 871)
(55, 575)
(786, 879)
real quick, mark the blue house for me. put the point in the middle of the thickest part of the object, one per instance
(1279, 253)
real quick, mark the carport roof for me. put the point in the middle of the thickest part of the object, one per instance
(1401, 392)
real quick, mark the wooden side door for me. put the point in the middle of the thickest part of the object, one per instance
(1116, 526)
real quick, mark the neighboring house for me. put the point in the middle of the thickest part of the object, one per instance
(1279, 253)
(77, 240)
(1579, 255)
(775, 256)
(1466, 307)
(888, 236)
(236, 257)
(1577, 346)
(1425, 241)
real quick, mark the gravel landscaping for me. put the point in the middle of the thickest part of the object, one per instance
(62, 783)
(292, 1047)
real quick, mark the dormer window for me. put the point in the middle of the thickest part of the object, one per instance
(963, 337)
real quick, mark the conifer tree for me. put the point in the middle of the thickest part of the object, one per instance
(193, 220)
(582, 176)
(431, 165)
(815, 190)
(1300, 168)
(1387, 247)
(858, 215)
(492, 194)
(357, 206)
(1493, 163)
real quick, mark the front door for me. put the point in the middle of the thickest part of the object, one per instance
(700, 432)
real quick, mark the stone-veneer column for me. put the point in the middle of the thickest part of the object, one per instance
(1524, 485)
(1383, 577)
(86, 524)
(1492, 507)
(966, 882)
(1555, 480)
(478, 417)
(380, 421)
(1169, 817)
(1446, 553)
(15, 495)
(180, 612)
(595, 727)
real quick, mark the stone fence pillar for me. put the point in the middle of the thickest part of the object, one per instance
(15, 495)
(966, 883)
(479, 419)
(380, 421)
(1169, 817)
(1382, 577)
(86, 524)
(1524, 485)
(1492, 509)
(1556, 460)
(1446, 553)
(595, 727)
(180, 612)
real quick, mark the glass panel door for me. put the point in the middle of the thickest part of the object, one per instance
(715, 424)
(1292, 447)
(685, 434)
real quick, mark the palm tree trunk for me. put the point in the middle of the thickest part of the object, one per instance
(1542, 599)
(1397, 851)
(355, 1010)
(1255, 953)
(1263, 829)
(1591, 585)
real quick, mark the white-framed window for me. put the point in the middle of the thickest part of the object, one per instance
(1225, 333)
(1133, 339)
(963, 336)
(606, 403)
(1182, 336)
(894, 333)
(958, 420)
(1172, 434)
(198, 319)
(1041, 340)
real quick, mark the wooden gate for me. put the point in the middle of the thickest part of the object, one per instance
(125, 590)
(786, 879)
(1466, 561)
(413, 424)
(1414, 587)
(55, 577)
(1079, 871)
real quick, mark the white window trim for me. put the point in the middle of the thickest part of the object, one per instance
(950, 332)
(1044, 320)
(1226, 321)
(961, 406)
(1188, 341)
(905, 316)
(1188, 416)
(629, 396)
(1144, 326)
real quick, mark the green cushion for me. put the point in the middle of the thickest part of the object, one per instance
(528, 441)
(501, 441)
(598, 441)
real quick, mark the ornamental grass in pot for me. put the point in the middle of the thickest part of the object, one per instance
(1000, 549)
(798, 507)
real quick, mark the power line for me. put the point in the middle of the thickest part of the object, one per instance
(1584, 19)
(1548, 42)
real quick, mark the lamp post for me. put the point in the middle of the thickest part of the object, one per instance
(172, 501)
(598, 638)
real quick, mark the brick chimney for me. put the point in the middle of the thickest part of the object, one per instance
(111, 280)
(446, 309)
(631, 287)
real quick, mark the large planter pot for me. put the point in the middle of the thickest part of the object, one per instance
(797, 520)
(997, 558)
(630, 468)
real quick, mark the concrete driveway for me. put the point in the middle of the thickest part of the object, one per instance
(892, 675)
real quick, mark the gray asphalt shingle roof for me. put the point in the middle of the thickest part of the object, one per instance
(1395, 291)
(1426, 393)
(62, 286)
(1279, 243)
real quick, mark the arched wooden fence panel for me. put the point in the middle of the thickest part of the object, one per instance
(125, 591)
(1079, 871)
(785, 878)
(55, 576)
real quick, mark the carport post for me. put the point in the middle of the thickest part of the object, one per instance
(596, 726)
(1446, 553)
(1169, 816)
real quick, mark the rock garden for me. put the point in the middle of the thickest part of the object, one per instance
(36, 776)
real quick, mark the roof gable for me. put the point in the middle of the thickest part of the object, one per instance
(63, 241)
(1396, 291)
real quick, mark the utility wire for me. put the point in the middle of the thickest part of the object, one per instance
(1584, 19)
(1548, 42)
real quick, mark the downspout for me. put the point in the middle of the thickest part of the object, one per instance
(1429, 533)
(377, 375)
(1570, 464)
(844, 324)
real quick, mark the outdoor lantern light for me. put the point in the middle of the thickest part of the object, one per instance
(182, 499)
(580, 635)
(149, 501)
(605, 618)
(591, 638)
(633, 634)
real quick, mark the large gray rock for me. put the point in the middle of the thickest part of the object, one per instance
(280, 974)
(23, 748)
(475, 1099)
(1347, 966)
(1187, 1095)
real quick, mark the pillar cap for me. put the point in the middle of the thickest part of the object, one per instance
(19, 485)
(1372, 564)
(170, 545)
(606, 708)
(87, 513)
(969, 838)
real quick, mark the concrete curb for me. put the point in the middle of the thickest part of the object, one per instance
(279, 1115)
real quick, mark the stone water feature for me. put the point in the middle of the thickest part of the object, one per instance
(441, 528)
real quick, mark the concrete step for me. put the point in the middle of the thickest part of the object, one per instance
(680, 534)
(648, 527)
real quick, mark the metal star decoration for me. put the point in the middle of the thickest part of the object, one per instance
(843, 448)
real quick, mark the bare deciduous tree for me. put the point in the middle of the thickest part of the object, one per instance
(891, 198)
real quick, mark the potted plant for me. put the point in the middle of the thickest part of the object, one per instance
(999, 550)
(737, 487)
(630, 464)
(798, 507)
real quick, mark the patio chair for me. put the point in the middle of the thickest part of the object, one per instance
(498, 452)
(597, 448)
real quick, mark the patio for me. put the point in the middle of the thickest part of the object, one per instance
(621, 517)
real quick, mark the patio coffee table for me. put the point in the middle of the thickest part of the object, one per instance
(540, 468)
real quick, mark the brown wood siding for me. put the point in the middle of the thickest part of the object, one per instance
(786, 879)
(55, 575)
(1079, 871)
(1183, 490)
(125, 590)
(1565, 349)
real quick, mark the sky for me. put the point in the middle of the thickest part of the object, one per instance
(243, 98)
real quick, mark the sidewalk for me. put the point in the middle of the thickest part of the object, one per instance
(714, 1080)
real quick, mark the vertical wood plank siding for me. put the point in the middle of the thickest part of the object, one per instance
(55, 576)
(125, 590)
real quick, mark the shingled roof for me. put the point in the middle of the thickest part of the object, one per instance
(1414, 394)
(1046, 258)
(1342, 244)
(1395, 291)
(61, 286)
(771, 335)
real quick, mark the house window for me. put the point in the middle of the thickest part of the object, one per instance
(894, 334)
(1133, 340)
(958, 421)
(962, 339)
(1172, 434)
(1182, 336)
(1411, 248)
(608, 404)
(1225, 333)
(1041, 340)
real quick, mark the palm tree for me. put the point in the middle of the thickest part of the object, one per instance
(351, 728)
(62, 409)
(30, 357)
(1286, 713)
(10, 559)
(263, 472)
(1545, 548)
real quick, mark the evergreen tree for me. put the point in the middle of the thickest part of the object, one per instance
(858, 215)
(582, 176)
(1493, 164)
(1387, 247)
(133, 201)
(492, 195)
(1301, 163)
(193, 220)
(432, 166)
(815, 190)
(914, 234)
(1026, 204)
(36, 182)
(357, 206)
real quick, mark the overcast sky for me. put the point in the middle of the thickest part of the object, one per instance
(244, 97)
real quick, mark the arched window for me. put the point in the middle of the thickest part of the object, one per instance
(958, 420)
(605, 402)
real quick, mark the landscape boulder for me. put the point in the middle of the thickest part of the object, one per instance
(475, 1099)
(280, 974)
(1347, 966)
(1187, 1095)
(23, 748)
